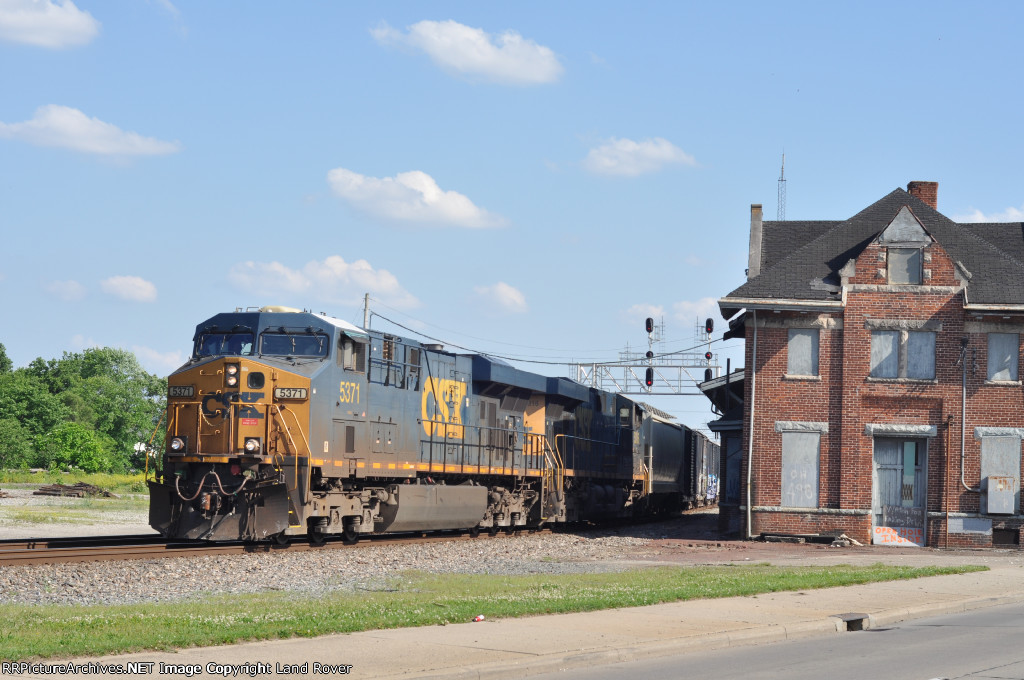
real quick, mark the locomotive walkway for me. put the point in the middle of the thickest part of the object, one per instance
(515, 648)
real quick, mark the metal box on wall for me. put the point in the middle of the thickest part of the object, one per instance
(998, 495)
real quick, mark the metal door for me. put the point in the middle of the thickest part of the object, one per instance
(899, 491)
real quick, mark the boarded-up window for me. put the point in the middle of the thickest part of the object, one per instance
(903, 354)
(1000, 457)
(920, 355)
(802, 351)
(885, 354)
(800, 469)
(904, 265)
(1002, 356)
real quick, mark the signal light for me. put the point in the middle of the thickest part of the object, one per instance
(649, 325)
(709, 326)
(649, 378)
(707, 355)
(650, 354)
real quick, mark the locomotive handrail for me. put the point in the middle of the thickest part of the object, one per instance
(288, 431)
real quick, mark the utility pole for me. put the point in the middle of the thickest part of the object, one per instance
(366, 311)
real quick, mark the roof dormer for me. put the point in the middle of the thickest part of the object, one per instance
(904, 240)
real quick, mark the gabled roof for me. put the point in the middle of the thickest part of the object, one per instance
(993, 254)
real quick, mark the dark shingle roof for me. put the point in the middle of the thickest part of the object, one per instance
(779, 239)
(805, 264)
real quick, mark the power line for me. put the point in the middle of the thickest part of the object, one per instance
(530, 361)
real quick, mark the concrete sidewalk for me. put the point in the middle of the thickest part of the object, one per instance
(515, 648)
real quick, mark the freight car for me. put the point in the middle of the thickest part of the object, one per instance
(285, 423)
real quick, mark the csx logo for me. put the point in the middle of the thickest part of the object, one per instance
(215, 405)
(442, 408)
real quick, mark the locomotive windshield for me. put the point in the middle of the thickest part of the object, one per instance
(293, 344)
(215, 344)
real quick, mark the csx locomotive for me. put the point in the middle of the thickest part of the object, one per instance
(285, 423)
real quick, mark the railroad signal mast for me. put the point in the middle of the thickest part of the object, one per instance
(658, 371)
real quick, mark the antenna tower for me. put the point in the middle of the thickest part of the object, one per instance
(782, 191)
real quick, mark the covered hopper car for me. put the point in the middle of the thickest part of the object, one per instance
(286, 423)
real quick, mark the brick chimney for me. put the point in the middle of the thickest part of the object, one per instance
(926, 191)
(754, 253)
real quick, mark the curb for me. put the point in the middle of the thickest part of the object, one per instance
(832, 625)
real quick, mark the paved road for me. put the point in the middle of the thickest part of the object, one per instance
(979, 645)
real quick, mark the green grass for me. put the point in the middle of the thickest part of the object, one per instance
(135, 483)
(413, 600)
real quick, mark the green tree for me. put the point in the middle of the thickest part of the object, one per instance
(76, 445)
(104, 391)
(6, 365)
(16, 449)
(25, 398)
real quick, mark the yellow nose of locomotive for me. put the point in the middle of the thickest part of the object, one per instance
(236, 407)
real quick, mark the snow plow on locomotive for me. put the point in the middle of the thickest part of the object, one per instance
(287, 423)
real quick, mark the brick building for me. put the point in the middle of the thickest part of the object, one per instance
(882, 391)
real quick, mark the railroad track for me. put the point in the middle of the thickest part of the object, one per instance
(148, 546)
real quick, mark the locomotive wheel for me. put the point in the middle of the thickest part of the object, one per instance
(474, 532)
(350, 536)
(280, 539)
(317, 538)
(492, 532)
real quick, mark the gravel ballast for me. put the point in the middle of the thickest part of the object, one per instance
(314, 572)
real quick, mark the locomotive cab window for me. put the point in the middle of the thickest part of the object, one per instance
(294, 344)
(352, 355)
(223, 343)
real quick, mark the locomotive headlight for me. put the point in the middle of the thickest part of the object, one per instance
(252, 445)
(177, 445)
(231, 375)
(232, 380)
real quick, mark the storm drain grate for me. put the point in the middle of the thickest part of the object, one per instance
(854, 620)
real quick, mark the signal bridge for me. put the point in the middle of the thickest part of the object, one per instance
(659, 371)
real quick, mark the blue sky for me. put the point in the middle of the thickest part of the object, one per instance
(528, 179)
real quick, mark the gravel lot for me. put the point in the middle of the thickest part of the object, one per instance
(690, 540)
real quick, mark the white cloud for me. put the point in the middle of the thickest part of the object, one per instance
(699, 310)
(45, 23)
(644, 311)
(331, 280)
(131, 288)
(159, 363)
(69, 291)
(409, 197)
(506, 58)
(629, 158)
(504, 296)
(79, 341)
(1008, 215)
(68, 128)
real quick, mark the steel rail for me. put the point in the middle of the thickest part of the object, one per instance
(15, 552)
